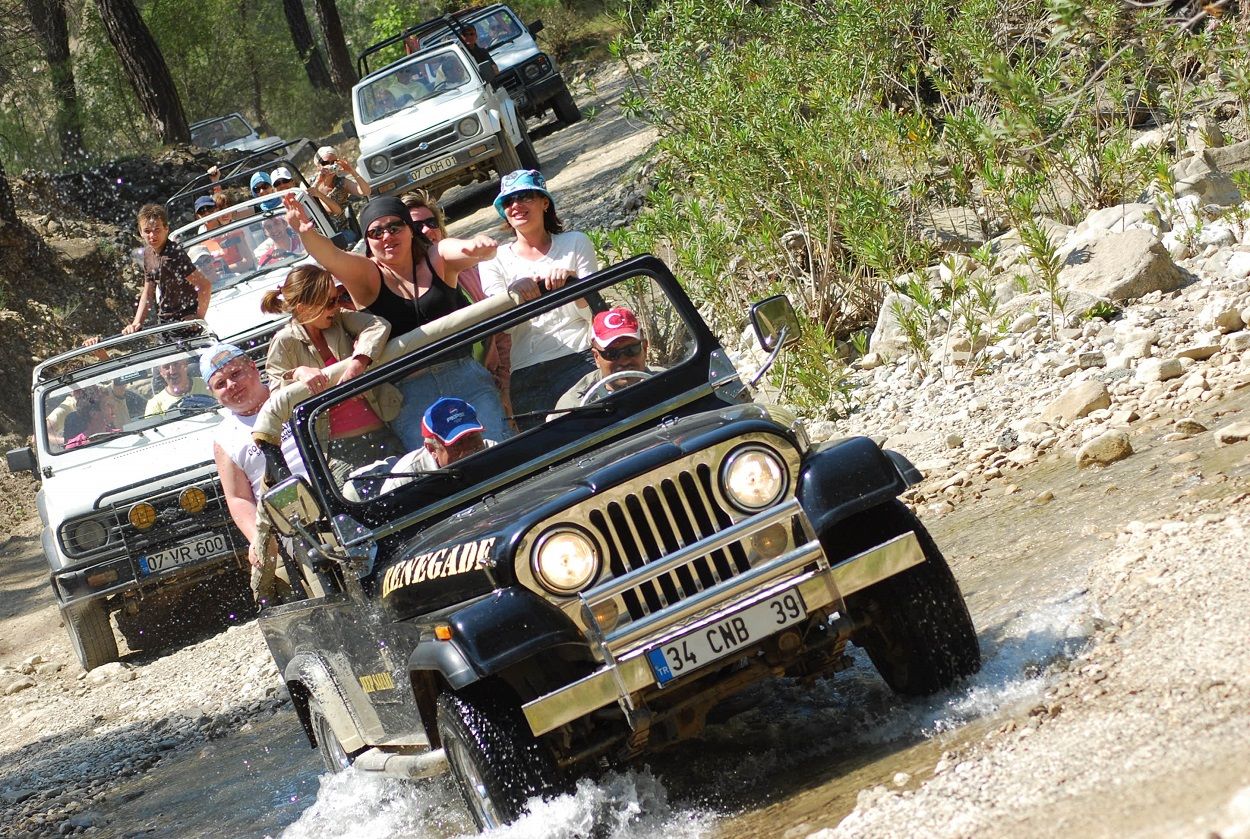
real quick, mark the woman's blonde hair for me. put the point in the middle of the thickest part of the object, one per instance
(306, 285)
(421, 198)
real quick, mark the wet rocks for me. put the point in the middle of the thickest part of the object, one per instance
(1237, 432)
(1078, 401)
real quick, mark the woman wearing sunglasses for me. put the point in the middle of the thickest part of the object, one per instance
(550, 352)
(320, 333)
(405, 280)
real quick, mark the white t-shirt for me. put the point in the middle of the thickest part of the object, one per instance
(234, 435)
(557, 333)
(419, 460)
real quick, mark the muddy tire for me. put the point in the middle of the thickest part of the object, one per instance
(565, 108)
(919, 634)
(495, 759)
(508, 160)
(333, 755)
(91, 635)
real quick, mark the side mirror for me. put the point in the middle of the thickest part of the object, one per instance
(290, 505)
(349, 128)
(22, 460)
(776, 323)
(536, 27)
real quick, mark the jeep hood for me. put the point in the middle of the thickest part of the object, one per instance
(236, 310)
(419, 118)
(151, 461)
(514, 52)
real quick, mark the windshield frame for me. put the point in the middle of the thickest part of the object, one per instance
(384, 75)
(226, 120)
(188, 236)
(559, 439)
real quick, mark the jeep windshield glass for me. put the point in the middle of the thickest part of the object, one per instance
(496, 28)
(124, 403)
(416, 80)
(219, 132)
(235, 246)
(533, 405)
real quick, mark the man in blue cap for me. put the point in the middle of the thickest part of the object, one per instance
(451, 432)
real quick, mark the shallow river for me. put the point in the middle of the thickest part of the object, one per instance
(794, 762)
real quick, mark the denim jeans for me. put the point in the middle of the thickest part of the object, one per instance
(461, 377)
(540, 386)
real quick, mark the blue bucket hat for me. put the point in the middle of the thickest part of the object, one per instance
(449, 419)
(522, 180)
(259, 178)
(216, 357)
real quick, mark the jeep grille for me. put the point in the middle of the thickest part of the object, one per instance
(410, 151)
(675, 511)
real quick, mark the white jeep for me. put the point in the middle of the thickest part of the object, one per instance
(231, 132)
(428, 120)
(132, 509)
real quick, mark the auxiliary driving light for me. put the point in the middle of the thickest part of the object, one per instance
(606, 614)
(192, 500)
(142, 515)
(770, 542)
(565, 561)
(753, 478)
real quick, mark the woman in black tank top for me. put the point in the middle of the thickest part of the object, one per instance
(410, 283)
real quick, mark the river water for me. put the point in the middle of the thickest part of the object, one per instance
(793, 763)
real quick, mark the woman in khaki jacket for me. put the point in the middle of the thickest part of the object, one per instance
(320, 333)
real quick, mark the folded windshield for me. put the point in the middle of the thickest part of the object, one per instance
(439, 417)
(123, 401)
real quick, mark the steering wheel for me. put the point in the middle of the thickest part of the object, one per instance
(194, 402)
(618, 376)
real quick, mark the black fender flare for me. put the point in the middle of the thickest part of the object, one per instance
(838, 480)
(309, 676)
(510, 626)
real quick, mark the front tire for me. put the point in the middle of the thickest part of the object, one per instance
(919, 635)
(497, 762)
(525, 150)
(566, 110)
(91, 635)
(508, 160)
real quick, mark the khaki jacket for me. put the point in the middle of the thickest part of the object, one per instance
(351, 333)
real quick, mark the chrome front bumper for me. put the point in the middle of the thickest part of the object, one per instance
(627, 671)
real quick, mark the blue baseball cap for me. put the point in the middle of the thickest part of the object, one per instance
(216, 357)
(205, 202)
(522, 180)
(449, 419)
(259, 178)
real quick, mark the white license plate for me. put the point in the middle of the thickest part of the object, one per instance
(441, 165)
(717, 640)
(203, 548)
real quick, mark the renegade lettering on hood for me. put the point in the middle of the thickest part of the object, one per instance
(431, 565)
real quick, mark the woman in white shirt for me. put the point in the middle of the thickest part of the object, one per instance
(550, 352)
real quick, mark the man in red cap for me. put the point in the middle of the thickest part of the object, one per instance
(618, 347)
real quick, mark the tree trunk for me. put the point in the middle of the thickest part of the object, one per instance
(48, 18)
(305, 46)
(8, 207)
(342, 71)
(145, 68)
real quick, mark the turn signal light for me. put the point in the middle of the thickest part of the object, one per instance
(442, 632)
(102, 578)
(606, 614)
(142, 515)
(192, 500)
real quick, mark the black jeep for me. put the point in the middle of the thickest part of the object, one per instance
(593, 587)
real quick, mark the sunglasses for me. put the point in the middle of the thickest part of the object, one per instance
(382, 229)
(526, 196)
(261, 189)
(628, 351)
(282, 184)
(426, 223)
(203, 211)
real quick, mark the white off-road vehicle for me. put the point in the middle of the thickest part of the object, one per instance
(231, 132)
(132, 508)
(429, 120)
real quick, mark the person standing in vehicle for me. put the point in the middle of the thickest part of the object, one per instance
(428, 218)
(339, 181)
(235, 382)
(549, 352)
(182, 292)
(409, 282)
(468, 37)
(320, 334)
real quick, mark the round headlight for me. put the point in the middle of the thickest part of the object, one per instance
(565, 561)
(192, 500)
(142, 515)
(753, 478)
(532, 70)
(87, 535)
(378, 164)
(468, 126)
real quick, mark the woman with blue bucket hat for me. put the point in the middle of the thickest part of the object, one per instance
(550, 353)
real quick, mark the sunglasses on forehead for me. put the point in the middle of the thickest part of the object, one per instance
(627, 351)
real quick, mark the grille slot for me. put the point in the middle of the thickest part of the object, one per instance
(659, 519)
(410, 151)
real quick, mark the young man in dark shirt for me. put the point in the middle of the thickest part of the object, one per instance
(184, 291)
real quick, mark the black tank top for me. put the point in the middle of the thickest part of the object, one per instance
(405, 315)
